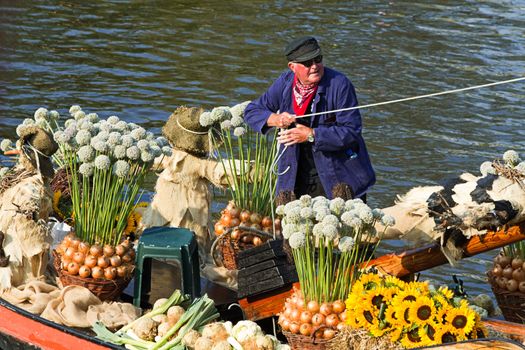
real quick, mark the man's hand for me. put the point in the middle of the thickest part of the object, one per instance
(282, 120)
(295, 135)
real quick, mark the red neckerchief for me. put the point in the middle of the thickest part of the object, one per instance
(302, 95)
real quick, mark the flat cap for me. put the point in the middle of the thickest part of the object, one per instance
(302, 49)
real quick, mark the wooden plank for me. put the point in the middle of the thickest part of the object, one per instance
(396, 264)
(485, 344)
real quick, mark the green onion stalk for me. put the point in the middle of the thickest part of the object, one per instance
(515, 250)
(247, 160)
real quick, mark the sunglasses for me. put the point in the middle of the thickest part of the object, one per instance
(309, 63)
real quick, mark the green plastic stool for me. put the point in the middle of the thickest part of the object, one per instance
(167, 243)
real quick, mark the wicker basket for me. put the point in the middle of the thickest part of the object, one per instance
(225, 249)
(303, 342)
(105, 290)
(512, 304)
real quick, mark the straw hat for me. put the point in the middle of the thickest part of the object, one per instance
(184, 132)
(36, 143)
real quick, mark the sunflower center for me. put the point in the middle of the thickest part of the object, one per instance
(377, 300)
(424, 312)
(409, 298)
(448, 338)
(413, 336)
(407, 319)
(459, 321)
(430, 332)
(368, 316)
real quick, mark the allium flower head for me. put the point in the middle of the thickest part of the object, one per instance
(237, 111)
(127, 141)
(318, 230)
(294, 214)
(289, 229)
(219, 114)
(143, 144)
(133, 153)
(511, 157)
(388, 220)
(147, 156)
(103, 135)
(346, 244)
(54, 115)
(20, 128)
(486, 168)
(167, 151)
(85, 124)
(377, 213)
(60, 136)
(86, 169)
(330, 231)
(6, 145)
(306, 200)
(237, 121)
(70, 123)
(121, 168)
(104, 126)
(119, 152)
(149, 136)
(83, 137)
(279, 210)
(121, 126)
(102, 162)
(205, 119)
(226, 124)
(155, 150)
(521, 167)
(297, 240)
(79, 115)
(114, 138)
(73, 109)
(41, 113)
(321, 213)
(28, 121)
(138, 133)
(365, 214)
(307, 213)
(239, 131)
(133, 126)
(3, 171)
(113, 120)
(162, 141)
(337, 205)
(331, 220)
(92, 117)
(86, 154)
(100, 146)
(288, 206)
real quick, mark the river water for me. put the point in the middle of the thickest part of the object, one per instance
(142, 59)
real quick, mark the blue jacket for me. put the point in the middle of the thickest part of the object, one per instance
(339, 149)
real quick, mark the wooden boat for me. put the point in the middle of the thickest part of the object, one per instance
(20, 329)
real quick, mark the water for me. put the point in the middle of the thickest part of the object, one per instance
(142, 59)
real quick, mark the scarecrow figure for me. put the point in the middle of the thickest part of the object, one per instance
(183, 190)
(25, 205)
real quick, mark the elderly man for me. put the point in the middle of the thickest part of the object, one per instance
(323, 154)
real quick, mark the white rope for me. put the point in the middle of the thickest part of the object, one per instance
(190, 131)
(414, 97)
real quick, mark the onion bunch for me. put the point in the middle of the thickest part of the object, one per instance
(96, 261)
(322, 320)
(509, 273)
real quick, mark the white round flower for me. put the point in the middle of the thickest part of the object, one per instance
(167, 151)
(297, 240)
(83, 137)
(92, 117)
(133, 126)
(377, 213)
(511, 157)
(121, 126)
(114, 138)
(143, 145)
(337, 205)
(162, 141)
(521, 167)
(28, 121)
(119, 152)
(113, 120)
(133, 153)
(20, 128)
(127, 141)
(86, 169)
(226, 124)
(289, 229)
(138, 133)
(86, 154)
(388, 220)
(306, 200)
(6, 145)
(121, 168)
(79, 115)
(103, 135)
(104, 126)
(100, 146)
(237, 111)
(279, 210)
(318, 230)
(102, 162)
(346, 244)
(290, 205)
(60, 136)
(321, 213)
(307, 213)
(54, 115)
(150, 136)
(330, 231)
(73, 109)
(205, 119)
(70, 123)
(85, 124)
(237, 121)
(41, 113)
(239, 131)
(147, 156)
(155, 150)
(42, 123)
(3, 171)
(486, 168)
(294, 214)
(220, 113)
(365, 214)
(331, 219)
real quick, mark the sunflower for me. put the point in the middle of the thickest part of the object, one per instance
(411, 339)
(479, 330)
(367, 316)
(370, 280)
(410, 293)
(391, 281)
(445, 335)
(440, 300)
(377, 296)
(391, 317)
(428, 332)
(379, 329)
(402, 310)
(352, 320)
(447, 293)
(461, 319)
(395, 334)
(422, 311)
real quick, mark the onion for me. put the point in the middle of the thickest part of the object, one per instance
(512, 285)
(122, 271)
(507, 272)
(306, 317)
(299, 303)
(294, 327)
(256, 226)
(83, 247)
(72, 268)
(288, 312)
(332, 320)
(295, 315)
(516, 263)
(115, 261)
(313, 306)
(328, 334)
(97, 272)
(502, 282)
(505, 261)
(79, 257)
(235, 222)
(70, 252)
(257, 241)
(127, 258)
(84, 271)
(325, 309)
(285, 325)
(247, 238)
(110, 273)
(234, 213)
(95, 250)
(245, 217)
(175, 313)
(338, 306)
(236, 234)
(318, 319)
(226, 219)
(266, 221)
(521, 286)
(256, 218)
(277, 223)
(109, 250)
(518, 274)
(343, 316)
(120, 250)
(497, 270)
(103, 261)
(74, 242)
(219, 228)
(305, 329)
